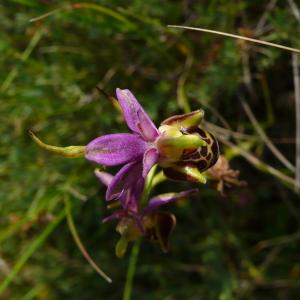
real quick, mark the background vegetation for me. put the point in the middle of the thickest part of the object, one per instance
(243, 246)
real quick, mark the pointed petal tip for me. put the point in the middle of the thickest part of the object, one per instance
(118, 90)
(104, 177)
(135, 116)
(187, 121)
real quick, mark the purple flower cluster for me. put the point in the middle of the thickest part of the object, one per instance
(179, 146)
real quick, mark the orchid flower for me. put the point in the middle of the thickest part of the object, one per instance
(180, 146)
(136, 222)
(135, 150)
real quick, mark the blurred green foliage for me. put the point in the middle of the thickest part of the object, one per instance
(48, 73)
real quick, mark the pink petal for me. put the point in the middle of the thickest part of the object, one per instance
(104, 177)
(136, 118)
(115, 149)
(149, 160)
(163, 199)
(128, 177)
(116, 215)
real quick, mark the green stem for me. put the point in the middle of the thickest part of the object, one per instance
(148, 186)
(131, 270)
(83, 5)
(78, 242)
(136, 246)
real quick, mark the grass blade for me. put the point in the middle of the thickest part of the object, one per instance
(30, 250)
(237, 37)
(100, 8)
(79, 244)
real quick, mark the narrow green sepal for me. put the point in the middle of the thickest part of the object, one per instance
(194, 173)
(121, 246)
(190, 141)
(187, 172)
(70, 151)
(186, 121)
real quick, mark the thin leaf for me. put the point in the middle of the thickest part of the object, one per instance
(237, 37)
(38, 242)
(78, 242)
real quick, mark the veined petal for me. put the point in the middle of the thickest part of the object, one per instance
(128, 177)
(115, 149)
(104, 177)
(163, 199)
(149, 160)
(136, 118)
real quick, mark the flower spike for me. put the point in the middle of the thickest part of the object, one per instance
(180, 146)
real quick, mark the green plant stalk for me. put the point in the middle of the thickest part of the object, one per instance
(32, 294)
(78, 242)
(131, 270)
(182, 98)
(100, 8)
(260, 165)
(136, 246)
(30, 250)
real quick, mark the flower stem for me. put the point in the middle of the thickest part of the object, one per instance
(131, 270)
(136, 246)
(78, 242)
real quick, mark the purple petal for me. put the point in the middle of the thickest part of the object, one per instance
(163, 199)
(136, 118)
(115, 149)
(124, 214)
(104, 177)
(149, 160)
(116, 215)
(128, 177)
